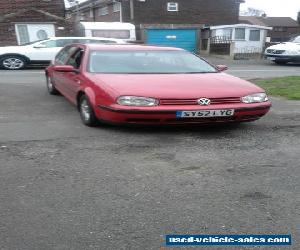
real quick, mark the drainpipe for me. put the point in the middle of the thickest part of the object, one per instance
(131, 10)
(121, 12)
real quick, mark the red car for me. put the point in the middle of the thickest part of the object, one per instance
(139, 84)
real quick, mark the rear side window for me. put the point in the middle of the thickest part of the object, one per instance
(92, 41)
(64, 42)
(57, 43)
(101, 41)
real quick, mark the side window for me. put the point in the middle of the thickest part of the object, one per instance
(254, 35)
(240, 34)
(49, 44)
(76, 58)
(102, 41)
(62, 57)
(64, 42)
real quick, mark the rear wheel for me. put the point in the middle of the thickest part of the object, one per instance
(13, 62)
(50, 86)
(86, 112)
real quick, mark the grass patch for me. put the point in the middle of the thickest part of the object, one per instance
(287, 87)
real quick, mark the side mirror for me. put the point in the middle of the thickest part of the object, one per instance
(221, 68)
(39, 46)
(65, 68)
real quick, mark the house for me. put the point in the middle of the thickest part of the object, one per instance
(284, 28)
(163, 22)
(24, 21)
(246, 39)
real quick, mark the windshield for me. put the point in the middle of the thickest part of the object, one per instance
(147, 62)
(295, 39)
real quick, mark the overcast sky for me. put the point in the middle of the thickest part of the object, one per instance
(275, 7)
(271, 7)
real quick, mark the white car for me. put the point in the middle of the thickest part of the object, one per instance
(42, 52)
(284, 52)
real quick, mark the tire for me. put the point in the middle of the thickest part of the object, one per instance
(281, 62)
(13, 62)
(87, 113)
(50, 86)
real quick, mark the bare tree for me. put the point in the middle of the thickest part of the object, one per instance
(253, 12)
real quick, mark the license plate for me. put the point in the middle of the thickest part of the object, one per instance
(271, 58)
(205, 113)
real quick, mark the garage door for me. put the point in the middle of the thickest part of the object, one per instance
(181, 38)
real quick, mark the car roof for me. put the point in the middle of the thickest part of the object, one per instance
(129, 47)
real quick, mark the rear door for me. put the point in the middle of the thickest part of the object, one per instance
(47, 50)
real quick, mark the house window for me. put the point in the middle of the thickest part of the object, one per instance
(116, 7)
(227, 33)
(172, 6)
(23, 34)
(280, 29)
(239, 34)
(254, 35)
(103, 11)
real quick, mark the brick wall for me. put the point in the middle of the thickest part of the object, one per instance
(96, 17)
(211, 12)
(284, 35)
(55, 7)
(22, 11)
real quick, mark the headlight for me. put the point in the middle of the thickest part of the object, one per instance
(292, 52)
(258, 97)
(137, 101)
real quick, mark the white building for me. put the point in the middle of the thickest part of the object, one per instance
(247, 38)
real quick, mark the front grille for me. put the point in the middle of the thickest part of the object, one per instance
(214, 101)
(178, 102)
(275, 51)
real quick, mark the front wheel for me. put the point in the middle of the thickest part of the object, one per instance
(50, 86)
(86, 112)
(13, 62)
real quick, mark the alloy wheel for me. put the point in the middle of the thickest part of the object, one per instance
(13, 63)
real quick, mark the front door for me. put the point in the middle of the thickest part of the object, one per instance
(70, 82)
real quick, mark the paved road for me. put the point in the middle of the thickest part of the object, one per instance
(66, 186)
(251, 69)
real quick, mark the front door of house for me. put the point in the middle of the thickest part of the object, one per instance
(27, 33)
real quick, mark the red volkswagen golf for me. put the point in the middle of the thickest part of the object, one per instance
(151, 85)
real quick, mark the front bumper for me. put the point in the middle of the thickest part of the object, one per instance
(167, 114)
(283, 58)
